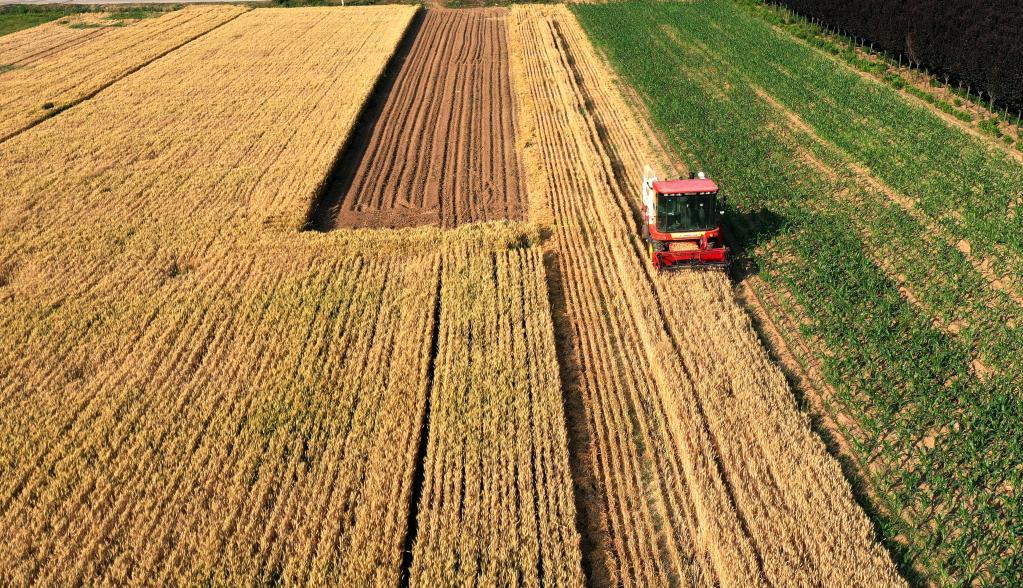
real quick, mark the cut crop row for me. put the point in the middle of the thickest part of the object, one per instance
(234, 132)
(707, 471)
(878, 243)
(134, 187)
(497, 505)
(257, 417)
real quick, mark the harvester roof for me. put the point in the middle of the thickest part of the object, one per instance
(685, 186)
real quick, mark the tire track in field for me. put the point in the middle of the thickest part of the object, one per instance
(26, 53)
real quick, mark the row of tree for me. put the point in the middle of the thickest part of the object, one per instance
(976, 42)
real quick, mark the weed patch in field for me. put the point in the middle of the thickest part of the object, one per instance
(137, 13)
(13, 19)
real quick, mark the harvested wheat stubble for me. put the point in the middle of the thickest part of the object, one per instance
(708, 472)
(442, 148)
(42, 84)
(496, 507)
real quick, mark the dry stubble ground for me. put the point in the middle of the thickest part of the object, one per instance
(705, 472)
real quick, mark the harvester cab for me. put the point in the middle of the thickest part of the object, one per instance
(682, 222)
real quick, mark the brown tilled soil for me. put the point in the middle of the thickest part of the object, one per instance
(438, 147)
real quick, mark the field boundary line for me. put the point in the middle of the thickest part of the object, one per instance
(56, 111)
(777, 329)
(419, 467)
(812, 389)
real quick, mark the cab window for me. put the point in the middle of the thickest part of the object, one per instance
(685, 212)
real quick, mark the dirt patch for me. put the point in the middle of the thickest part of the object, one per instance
(439, 147)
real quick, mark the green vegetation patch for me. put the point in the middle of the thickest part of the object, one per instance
(137, 13)
(20, 16)
(894, 299)
(93, 25)
(16, 18)
(845, 48)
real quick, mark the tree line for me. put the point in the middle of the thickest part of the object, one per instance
(978, 43)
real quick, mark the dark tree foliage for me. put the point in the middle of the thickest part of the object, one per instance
(978, 42)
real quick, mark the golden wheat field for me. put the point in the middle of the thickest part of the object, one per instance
(254, 417)
(236, 402)
(497, 499)
(35, 44)
(47, 75)
(239, 127)
(188, 433)
(196, 390)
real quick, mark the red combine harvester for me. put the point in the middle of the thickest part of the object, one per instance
(682, 222)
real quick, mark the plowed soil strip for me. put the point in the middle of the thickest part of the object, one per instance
(439, 149)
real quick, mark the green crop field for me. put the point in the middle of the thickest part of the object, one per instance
(16, 18)
(893, 239)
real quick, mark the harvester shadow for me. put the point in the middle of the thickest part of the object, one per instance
(744, 232)
(323, 209)
(587, 491)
